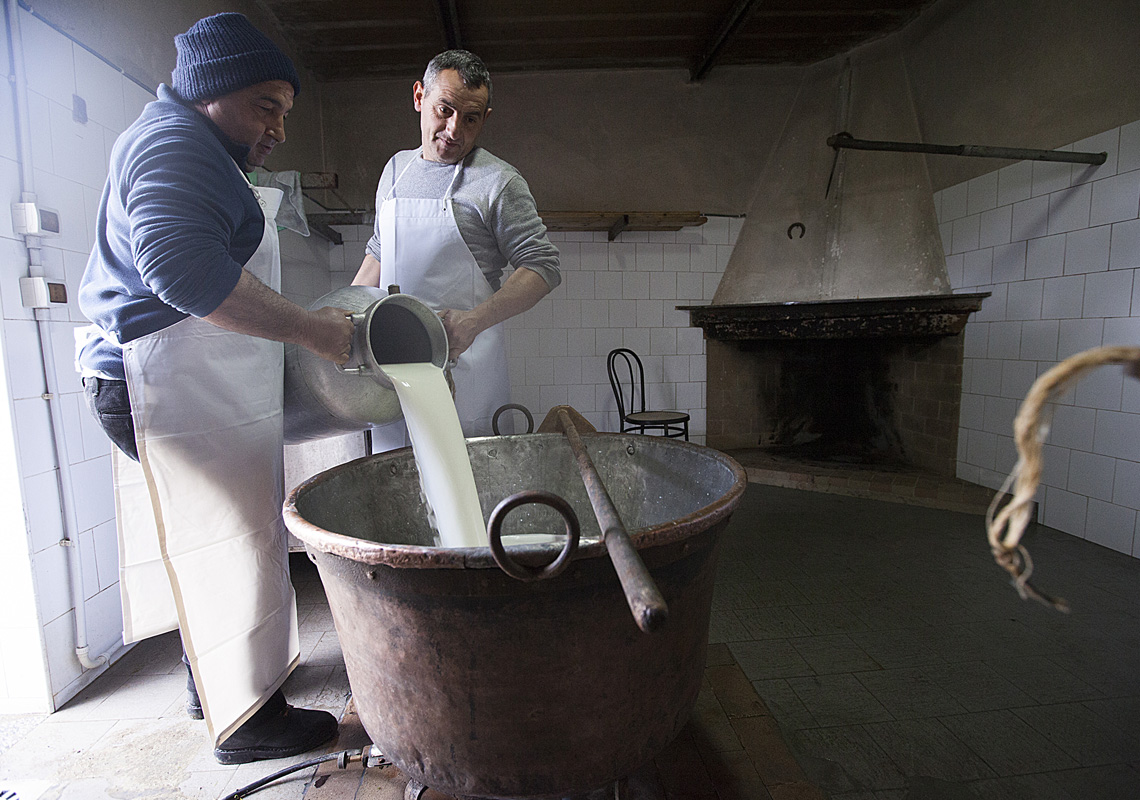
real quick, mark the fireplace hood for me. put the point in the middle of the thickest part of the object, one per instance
(838, 224)
(834, 333)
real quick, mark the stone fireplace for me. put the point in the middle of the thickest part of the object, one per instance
(873, 383)
(833, 336)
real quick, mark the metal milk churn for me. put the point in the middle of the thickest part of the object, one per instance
(324, 399)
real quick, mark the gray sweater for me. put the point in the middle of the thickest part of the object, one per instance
(493, 207)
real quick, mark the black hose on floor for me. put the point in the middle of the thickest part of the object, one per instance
(369, 756)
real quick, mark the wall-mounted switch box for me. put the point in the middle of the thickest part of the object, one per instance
(32, 219)
(39, 293)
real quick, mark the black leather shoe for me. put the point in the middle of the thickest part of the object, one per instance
(277, 730)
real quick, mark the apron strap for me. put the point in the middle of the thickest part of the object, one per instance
(447, 195)
(454, 178)
(412, 160)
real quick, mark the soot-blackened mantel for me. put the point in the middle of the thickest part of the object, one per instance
(922, 315)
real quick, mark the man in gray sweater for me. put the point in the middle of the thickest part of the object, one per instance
(450, 217)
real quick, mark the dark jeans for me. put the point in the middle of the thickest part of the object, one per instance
(110, 403)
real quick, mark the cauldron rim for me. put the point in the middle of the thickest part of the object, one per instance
(422, 557)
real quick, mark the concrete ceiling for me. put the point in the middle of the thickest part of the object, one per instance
(348, 39)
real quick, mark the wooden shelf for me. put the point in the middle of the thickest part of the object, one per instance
(614, 222)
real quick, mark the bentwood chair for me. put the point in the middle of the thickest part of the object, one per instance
(627, 378)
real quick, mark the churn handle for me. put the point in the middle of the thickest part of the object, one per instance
(357, 319)
(495, 534)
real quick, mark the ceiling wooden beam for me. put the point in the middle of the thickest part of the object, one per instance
(351, 39)
(344, 69)
(731, 23)
(449, 15)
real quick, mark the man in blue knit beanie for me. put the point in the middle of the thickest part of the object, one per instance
(223, 54)
(183, 367)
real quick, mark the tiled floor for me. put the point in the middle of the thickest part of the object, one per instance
(885, 647)
(901, 664)
(127, 735)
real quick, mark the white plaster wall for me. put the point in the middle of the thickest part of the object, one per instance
(1058, 245)
(613, 294)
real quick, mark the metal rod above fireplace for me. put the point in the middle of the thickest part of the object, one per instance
(847, 141)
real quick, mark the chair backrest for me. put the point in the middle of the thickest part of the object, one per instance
(627, 379)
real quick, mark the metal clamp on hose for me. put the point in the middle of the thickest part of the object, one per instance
(523, 572)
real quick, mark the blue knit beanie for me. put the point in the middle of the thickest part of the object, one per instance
(224, 53)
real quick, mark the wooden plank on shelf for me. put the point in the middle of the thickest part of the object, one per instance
(622, 220)
(322, 222)
(319, 180)
(342, 217)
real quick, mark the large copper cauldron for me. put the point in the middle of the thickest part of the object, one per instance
(477, 684)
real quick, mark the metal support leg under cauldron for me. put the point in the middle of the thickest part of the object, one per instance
(478, 684)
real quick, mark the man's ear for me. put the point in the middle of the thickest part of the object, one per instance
(418, 96)
(486, 114)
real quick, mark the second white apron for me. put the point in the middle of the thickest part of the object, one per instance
(422, 251)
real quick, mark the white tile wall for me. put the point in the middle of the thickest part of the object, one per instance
(628, 291)
(1014, 184)
(70, 166)
(1124, 247)
(1063, 281)
(345, 259)
(619, 294)
(305, 267)
(23, 677)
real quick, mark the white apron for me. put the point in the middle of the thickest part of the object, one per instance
(423, 252)
(201, 541)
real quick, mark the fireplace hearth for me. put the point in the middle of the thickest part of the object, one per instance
(856, 382)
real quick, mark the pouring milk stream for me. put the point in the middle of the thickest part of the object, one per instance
(441, 453)
(399, 346)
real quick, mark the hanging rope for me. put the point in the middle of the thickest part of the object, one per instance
(1006, 526)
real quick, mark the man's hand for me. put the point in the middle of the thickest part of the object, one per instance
(462, 327)
(330, 334)
(520, 292)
